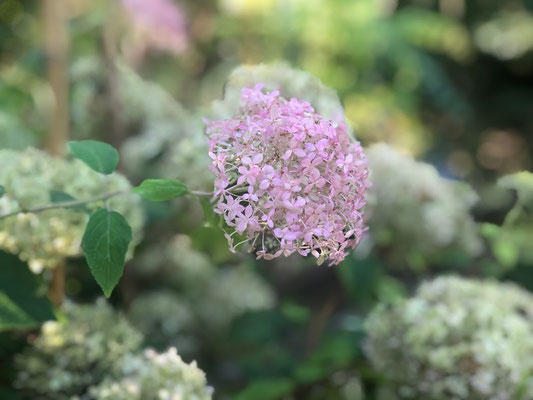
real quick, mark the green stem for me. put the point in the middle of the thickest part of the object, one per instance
(199, 193)
(65, 204)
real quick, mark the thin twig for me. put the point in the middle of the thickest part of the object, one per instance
(56, 291)
(199, 193)
(65, 204)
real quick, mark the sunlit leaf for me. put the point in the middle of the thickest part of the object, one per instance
(161, 189)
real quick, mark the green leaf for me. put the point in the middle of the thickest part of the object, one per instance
(22, 305)
(100, 156)
(62, 197)
(105, 243)
(2, 191)
(161, 189)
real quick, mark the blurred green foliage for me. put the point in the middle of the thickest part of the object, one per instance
(448, 82)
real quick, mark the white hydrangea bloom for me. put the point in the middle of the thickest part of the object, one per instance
(507, 35)
(154, 376)
(165, 319)
(231, 292)
(69, 356)
(29, 178)
(171, 143)
(456, 339)
(279, 76)
(182, 266)
(415, 212)
(86, 98)
(215, 295)
(191, 268)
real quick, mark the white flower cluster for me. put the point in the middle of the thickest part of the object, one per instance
(456, 339)
(69, 356)
(290, 83)
(508, 35)
(166, 319)
(30, 178)
(171, 142)
(178, 262)
(87, 98)
(96, 355)
(187, 267)
(215, 296)
(415, 213)
(230, 293)
(154, 376)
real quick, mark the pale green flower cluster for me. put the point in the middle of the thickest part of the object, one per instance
(456, 339)
(508, 35)
(30, 179)
(414, 213)
(166, 319)
(280, 76)
(86, 97)
(69, 356)
(214, 295)
(95, 354)
(171, 142)
(510, 242)
(231, 292)
(187, 267)
(181, 265)
(154, 376)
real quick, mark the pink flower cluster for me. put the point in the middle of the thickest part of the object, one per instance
(287, 179)
(162, 22)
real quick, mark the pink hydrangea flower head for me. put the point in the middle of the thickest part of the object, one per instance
(161, 22)
(287, 179)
